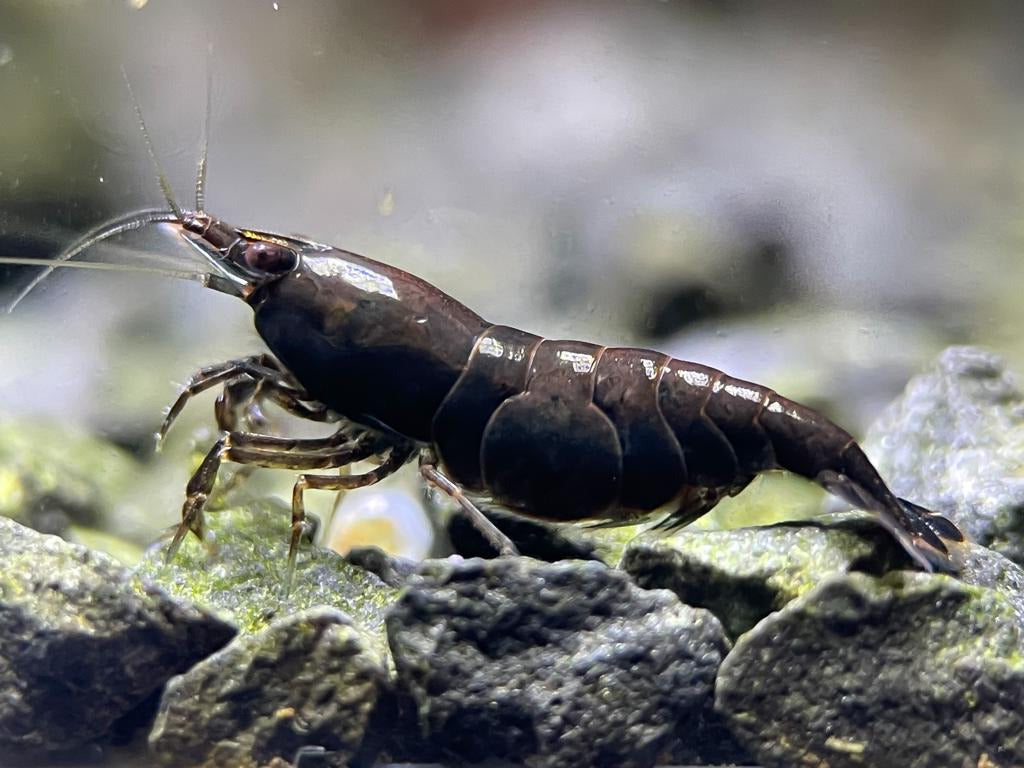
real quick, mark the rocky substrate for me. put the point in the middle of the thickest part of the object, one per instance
(796, 644)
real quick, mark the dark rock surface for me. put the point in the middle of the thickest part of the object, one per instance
(849, 656)
(80, 644)
(533, 538)
(954, 442)
(908, 670)
(541, 664)
(306, 683)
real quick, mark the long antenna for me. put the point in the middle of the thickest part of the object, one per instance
(126, 223)
(165, 186)
(104, 266)
(201, 169)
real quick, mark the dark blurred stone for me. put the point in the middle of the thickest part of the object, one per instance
(672, 309)
(954, 442)
(303, 689)
(79, 647)
(564, 664)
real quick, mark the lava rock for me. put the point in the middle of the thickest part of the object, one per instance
(744, 574)
(551, 664)
(843, 659)
(954, 442)
(533, 538)
(911, 669)
(240, 568)
(393, 570)
(305, 685)
(81, 645)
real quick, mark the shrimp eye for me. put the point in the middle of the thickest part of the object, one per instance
(269, 257)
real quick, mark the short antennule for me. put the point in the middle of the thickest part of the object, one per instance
(201, 168)
(165, 186)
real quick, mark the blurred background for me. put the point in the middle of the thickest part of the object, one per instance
(817, 196)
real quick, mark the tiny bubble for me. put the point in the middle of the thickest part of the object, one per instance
(386, 204)
(276, 6)
(6, 54)
(101, 179)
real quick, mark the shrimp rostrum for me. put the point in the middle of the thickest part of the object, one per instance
(557, 430)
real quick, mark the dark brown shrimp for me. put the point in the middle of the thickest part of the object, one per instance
(562, 430)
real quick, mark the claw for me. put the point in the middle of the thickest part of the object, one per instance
(179, 536)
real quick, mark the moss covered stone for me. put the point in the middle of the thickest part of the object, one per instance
(305, 682)
(80, 645)
(847, 655)
(239, 570)
(910, 669)
(742, 575)
(52, 477)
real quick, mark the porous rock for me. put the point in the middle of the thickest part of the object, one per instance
(954, 442)
(847, 655)
(541, 540)
(565, 664)
(306, 683)
(909, 669)
(80, 644)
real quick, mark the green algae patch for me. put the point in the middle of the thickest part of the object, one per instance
(239, 571)
(744, 574)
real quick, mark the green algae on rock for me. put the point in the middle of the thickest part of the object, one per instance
(306, 681)
(848, 656)
(80, 644)
(239, 571)
(911, 669)
(742, 575)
